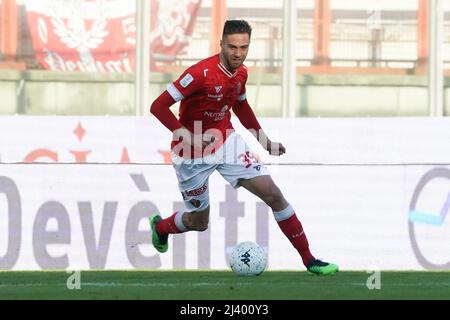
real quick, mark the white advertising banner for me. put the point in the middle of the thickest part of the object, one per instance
(361, 208)
(103, 139)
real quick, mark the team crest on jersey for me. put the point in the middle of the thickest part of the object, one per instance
(187, 79)
(215, 94)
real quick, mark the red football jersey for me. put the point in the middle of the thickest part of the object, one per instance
(208, 91)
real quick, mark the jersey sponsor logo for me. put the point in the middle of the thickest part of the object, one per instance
(187, 79)
(217, 97)
(218, 116)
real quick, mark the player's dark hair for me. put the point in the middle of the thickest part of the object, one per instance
(236, 26)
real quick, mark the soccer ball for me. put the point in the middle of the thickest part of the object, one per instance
(248, 259)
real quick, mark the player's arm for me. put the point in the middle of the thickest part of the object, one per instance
(248, 119)
(160, 108)
(188, 83)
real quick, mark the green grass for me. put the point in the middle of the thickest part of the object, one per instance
(222, 285)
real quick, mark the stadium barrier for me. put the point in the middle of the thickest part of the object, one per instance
(75, 193)
(37, 92)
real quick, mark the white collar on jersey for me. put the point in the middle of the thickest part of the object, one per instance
(224, 70)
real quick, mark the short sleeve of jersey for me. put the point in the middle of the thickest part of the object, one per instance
(242, 93)
(187, 84)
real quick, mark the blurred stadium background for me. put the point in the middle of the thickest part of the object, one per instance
(372, 55)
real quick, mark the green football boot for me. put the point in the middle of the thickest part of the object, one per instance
(159, 241)
(319, 267)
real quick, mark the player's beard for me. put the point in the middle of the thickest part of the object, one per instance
(230, 63)
(234, 64)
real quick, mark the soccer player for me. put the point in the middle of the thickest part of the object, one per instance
(204, 141)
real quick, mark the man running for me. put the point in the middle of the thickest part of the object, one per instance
(204, 141)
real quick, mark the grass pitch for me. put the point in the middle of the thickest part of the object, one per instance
(222, 285)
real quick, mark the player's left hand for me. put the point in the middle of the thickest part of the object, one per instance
(275, 148)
